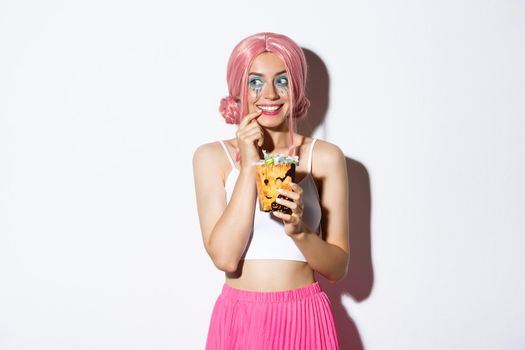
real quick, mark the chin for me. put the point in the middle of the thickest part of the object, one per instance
(272, 122)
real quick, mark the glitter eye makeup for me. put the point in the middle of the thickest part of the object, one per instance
(281, 83)
(256, 84)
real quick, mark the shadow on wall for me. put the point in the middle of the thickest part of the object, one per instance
(359, 280)
(317, 87)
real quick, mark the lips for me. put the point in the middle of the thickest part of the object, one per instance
(270, 109)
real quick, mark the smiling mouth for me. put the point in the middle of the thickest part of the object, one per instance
(270, 109)
(268, 197)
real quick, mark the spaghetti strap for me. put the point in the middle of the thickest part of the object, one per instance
(228, 154)
(310, 155)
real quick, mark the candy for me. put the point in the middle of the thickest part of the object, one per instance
(278, 158)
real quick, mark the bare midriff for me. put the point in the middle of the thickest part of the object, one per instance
(270, 275)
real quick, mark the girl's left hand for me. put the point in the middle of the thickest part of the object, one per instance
(293, 223)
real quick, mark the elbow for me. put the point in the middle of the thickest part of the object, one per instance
(335, 279)
(226, 265)
(221, 261)
(228, 268)
(342, 273)
(335, 276)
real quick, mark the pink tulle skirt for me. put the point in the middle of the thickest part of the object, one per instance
(293, 319)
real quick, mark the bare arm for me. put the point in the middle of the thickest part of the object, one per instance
(329, 257)
(226, 227)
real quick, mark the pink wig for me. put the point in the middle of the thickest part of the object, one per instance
(234, 106)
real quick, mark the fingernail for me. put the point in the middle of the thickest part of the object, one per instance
(280, 190)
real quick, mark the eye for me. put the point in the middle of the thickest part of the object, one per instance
(255, 83)
(281, 80)
(266, 181)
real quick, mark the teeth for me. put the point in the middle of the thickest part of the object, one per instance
(269, 108)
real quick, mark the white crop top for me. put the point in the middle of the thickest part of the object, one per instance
(267, 238)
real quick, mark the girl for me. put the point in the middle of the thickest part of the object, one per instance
(270, 298)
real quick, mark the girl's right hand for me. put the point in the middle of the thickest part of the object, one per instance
(249, 133)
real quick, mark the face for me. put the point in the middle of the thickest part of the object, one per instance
(268, 89)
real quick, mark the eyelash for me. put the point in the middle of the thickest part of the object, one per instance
(258, 83)
(255, 83)
(282, 81)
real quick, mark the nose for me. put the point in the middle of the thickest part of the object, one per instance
(269, 92)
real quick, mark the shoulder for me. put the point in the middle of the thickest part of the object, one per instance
(327, 152)
(327, 157)
(209, 155)
(206, 152)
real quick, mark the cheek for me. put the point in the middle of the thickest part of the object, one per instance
(254, 93)
(284, 95)
(282, 90)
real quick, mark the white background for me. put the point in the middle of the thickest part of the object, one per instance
(102, 104)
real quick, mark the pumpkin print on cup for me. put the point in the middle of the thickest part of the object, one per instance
(269, 178)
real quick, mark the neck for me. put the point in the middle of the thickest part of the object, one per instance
(276, 140)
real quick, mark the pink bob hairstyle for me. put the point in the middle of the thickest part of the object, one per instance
(234, 106)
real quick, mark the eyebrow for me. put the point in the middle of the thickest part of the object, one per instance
(260, 75)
